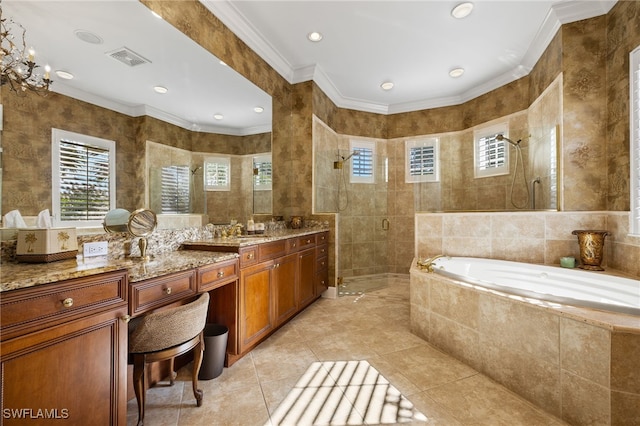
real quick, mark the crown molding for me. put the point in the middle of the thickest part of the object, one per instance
(142, 110)
(560, 13)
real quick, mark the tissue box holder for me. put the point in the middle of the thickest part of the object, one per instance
(46, 245)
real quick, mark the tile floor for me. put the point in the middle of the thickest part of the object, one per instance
(370, 325)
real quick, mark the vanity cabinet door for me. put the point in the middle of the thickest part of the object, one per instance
(256, 315)
(285, 278)
(73, 373)
(306, 277)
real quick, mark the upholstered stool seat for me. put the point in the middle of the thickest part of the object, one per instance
(163, 335)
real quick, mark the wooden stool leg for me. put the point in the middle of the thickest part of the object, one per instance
(172, 373)
(139, 384)
(197, 362)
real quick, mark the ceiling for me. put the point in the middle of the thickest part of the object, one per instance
(414, 44)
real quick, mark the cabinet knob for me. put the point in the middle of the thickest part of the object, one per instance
(249, 256)
(68, 302)
(308, 241)
(167, 290)
(220, 274)
(126, 318)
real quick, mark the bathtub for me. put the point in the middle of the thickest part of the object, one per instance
(567, 340)
(574, 287)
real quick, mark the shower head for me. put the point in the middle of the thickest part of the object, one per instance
(504, 138)
(351, 155)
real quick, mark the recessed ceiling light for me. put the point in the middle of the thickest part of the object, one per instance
(88, 36)
(161, 89)
(64, 75)
(462, 10)
(258, 109)
(456, 72)
(223, 63)
(314, 36)
(218, 116)
(156, 14)
(387, 85)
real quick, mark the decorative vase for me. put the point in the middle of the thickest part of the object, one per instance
(591, 248)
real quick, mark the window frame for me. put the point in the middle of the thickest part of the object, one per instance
(490, 132)
(634, 141)
(423, 143)
(361, 145)
(219, 159)
(59, 135)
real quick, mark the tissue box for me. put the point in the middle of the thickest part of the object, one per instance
(46, 245)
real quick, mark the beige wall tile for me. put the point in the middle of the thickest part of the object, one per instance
(585, 350)
(625, 362)
(584, 402)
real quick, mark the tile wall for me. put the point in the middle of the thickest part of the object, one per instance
(571, 364)
(532, 237)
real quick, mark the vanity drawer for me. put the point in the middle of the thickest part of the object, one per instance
(322, 264)
(273, 250)
(322, 238)
(306, 241)
(43, 306)
(156, 292)
(322, 250)
(212, 276)
(248, 256)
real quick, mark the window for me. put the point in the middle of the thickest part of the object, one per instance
(175, 189)
(422, 157)
(262, 175)
(217, 174)
(83, 178)
(362, 161)
(491, 155)
(634, 75)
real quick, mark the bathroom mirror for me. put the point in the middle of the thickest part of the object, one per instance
(182, 118)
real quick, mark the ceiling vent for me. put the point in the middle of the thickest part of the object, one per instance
(128, 57)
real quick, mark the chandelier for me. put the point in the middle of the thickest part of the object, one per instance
(17, 63)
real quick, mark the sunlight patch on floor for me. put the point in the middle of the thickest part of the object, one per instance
(343, 393)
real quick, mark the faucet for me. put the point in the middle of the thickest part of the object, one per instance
(428, 264)
(236, 230)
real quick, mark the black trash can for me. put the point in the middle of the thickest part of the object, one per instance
(215, 349)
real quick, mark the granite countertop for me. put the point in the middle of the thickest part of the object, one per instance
(249, 240)
(14, 275)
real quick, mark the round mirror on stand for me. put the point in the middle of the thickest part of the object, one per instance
(116, 220)
(142, 223)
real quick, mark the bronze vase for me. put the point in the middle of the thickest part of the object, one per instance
(591, 248)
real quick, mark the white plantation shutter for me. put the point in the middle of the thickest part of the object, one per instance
(635, 141)
(491, 155)
(363, 162)
(217, 174)
(175, 189)
(263, 173)
(422, 160)
(83, 178)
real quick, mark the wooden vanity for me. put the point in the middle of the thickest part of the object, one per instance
(63, 350)
(278, 278)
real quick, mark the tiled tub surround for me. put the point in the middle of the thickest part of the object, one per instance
(532, 237)
(579, 364)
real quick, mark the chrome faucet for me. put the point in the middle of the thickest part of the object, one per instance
(428, 264)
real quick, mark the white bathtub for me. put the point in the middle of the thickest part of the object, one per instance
(574, 287)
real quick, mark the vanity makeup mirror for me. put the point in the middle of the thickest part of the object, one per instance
(117, 52)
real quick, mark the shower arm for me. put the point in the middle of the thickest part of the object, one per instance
(504, 138)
